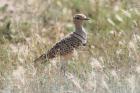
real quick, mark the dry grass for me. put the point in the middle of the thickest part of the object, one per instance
(109, 64)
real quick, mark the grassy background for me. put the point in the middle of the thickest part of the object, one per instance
(109, 64)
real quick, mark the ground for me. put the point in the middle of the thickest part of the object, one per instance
(110, 63)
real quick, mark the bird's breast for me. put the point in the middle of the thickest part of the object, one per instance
(82, 36)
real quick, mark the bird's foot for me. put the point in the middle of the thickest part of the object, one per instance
(63, 69)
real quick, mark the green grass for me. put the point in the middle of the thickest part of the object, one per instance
(109, 63)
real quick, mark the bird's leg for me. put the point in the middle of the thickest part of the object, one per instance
(63, 67)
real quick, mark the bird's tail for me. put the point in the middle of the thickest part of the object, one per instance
(41, 59)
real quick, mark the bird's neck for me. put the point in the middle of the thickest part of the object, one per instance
(81, 33)
(79, 28)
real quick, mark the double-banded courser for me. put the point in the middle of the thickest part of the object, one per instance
(68, 44)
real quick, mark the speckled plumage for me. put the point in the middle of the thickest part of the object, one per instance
(64, 47)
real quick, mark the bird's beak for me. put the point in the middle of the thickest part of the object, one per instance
(86, 18)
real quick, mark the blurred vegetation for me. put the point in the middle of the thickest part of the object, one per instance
(29, 28)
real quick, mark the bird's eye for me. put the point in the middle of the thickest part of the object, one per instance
(77, 18)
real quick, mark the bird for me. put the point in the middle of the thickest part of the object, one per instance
(69, 43)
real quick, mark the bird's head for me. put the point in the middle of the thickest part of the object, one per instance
(79, 18)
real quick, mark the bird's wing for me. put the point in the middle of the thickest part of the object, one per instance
(64, 47)
(61, 48)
